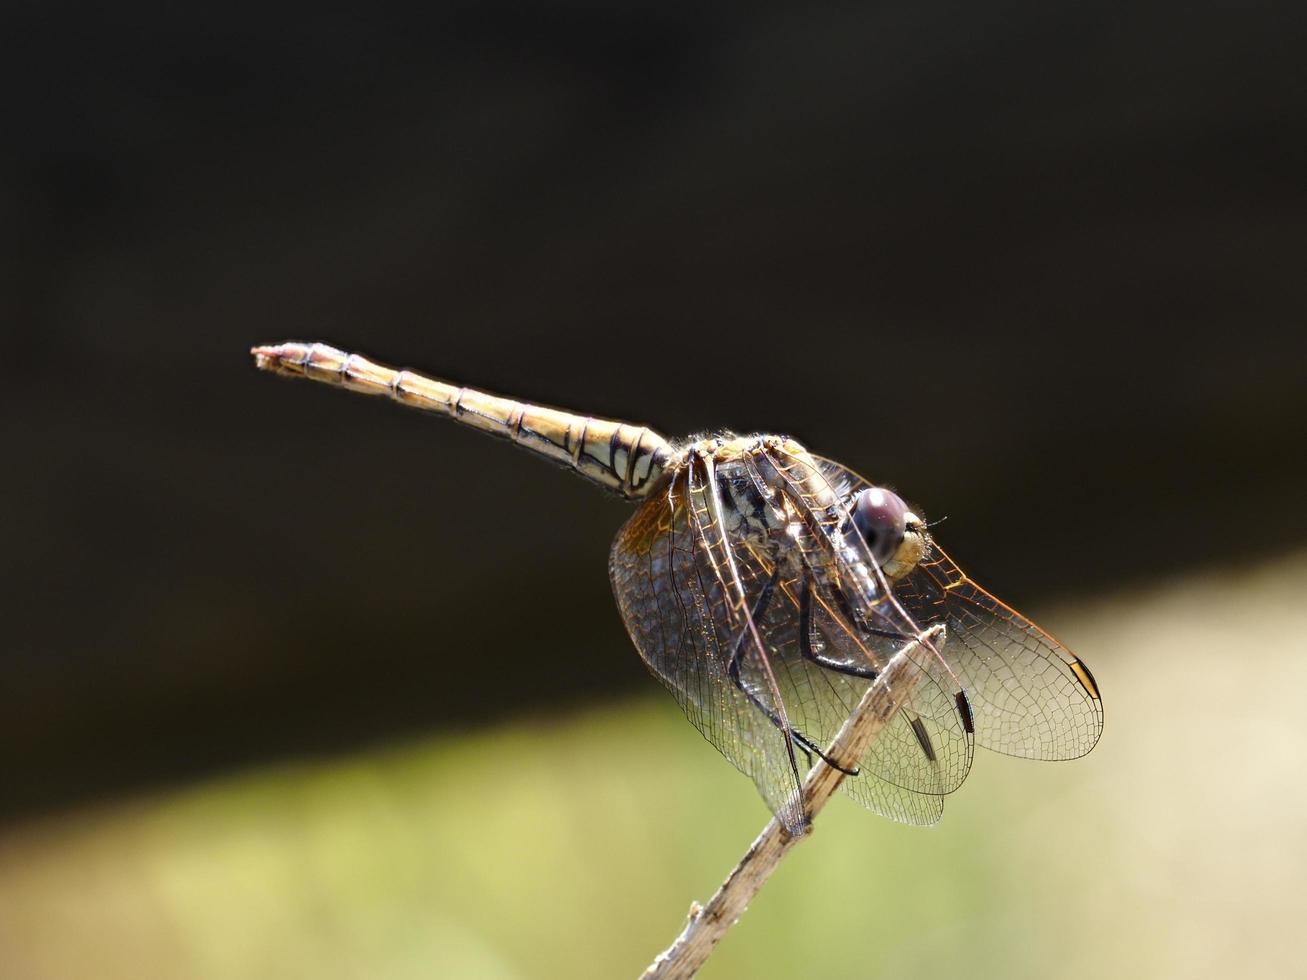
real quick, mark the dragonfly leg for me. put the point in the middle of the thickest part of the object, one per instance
(846, 611)
(805, 642)
(889, 634)
(868, 673)
(805, 647)
(805, 744)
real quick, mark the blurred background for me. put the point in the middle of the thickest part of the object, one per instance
(285, 689)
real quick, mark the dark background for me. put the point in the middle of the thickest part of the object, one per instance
(1038, 266)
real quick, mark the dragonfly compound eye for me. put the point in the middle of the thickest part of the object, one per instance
(881, 518)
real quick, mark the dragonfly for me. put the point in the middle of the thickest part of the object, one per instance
(768, 588)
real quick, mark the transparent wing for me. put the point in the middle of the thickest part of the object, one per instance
(668, 576)
(1031, 696)
(923, 752)
(735, 599)
(895, 802)
(848, 622)
(1034, 698)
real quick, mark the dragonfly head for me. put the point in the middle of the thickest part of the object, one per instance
(894, 535)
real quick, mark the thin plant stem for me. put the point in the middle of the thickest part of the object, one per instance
(710, 922)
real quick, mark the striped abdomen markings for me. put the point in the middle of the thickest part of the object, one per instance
(627, 459)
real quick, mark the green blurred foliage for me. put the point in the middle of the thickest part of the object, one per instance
(572, 847)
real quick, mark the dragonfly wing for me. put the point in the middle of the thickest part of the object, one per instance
(722, 587)
(686, 615)
(898, 804)
(1034, 698)
(1031, 696)
(926, 747)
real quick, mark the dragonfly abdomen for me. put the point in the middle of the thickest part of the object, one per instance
(626, 459)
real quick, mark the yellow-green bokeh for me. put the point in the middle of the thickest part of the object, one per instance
(572, 847)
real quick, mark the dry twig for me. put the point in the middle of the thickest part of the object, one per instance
(708, 924)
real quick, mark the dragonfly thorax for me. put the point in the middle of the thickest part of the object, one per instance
(751, 471)
(748, 485)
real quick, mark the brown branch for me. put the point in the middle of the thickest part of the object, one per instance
(709, 923)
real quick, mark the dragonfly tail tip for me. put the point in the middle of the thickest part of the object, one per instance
(266, 356)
